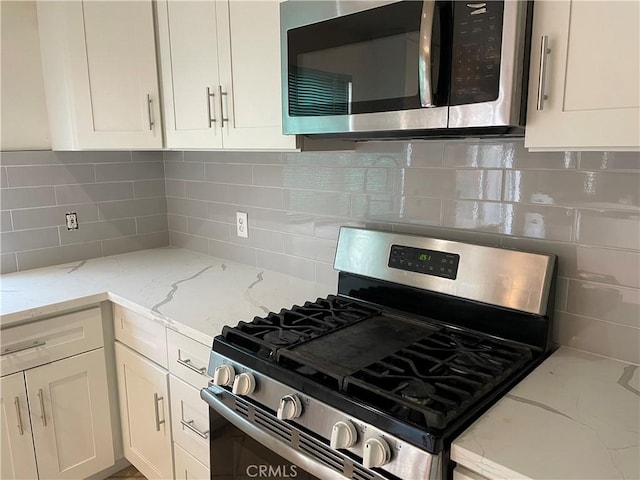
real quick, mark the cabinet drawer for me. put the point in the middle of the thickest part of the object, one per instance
(43, 341)
(187, 467)
(190, 419)
(142, 334)
(188, 359)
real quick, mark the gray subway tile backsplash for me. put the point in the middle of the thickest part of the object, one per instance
(32, 157)
(27, 197)
(16, 241)
(44, 257)
(6, 225)
(116, 195)
(116, 246)
(37, 175)
(129, 171)
(582, 206)
(30, 218)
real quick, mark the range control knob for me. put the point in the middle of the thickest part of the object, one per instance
(343, 435)
(376, 452)
(290, 407)
(223, 375)
(244, 384)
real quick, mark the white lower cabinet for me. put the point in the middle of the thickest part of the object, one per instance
(143, 390)
(187, 467)
(190, 420)
(17, 455)
(64, 407)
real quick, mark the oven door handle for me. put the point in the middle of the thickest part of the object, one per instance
(424, 53)
(214, 396)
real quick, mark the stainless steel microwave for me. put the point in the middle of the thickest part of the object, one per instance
(365, 69)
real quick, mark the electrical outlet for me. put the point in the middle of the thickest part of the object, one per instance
(71, 220)
(242, 225)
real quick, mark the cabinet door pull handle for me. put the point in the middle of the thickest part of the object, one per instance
(189, 424)
(150, 110)
(156, 399)
(210, 97)
(16, 402)
(544, 53)
(220, 95)
(19, 347)
(43, 413)
(186, 362)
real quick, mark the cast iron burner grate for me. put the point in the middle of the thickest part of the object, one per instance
(432, 381)
(265, 335)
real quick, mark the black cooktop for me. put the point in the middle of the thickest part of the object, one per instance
(419, 372)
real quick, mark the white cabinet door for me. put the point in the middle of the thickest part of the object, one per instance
(220, 64)
(591, 76)
(17, 458)
(144, 413)
(188, 45)
(249, 49)
(188, 468)
(70, 416)
(100, 73)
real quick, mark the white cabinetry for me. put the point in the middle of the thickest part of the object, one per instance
(56, 412)
(189, 414)
(220, 64)
(150, 422)
(69, 405)
(590, 72)
(100, 74)
(144, 413)
(18, 459)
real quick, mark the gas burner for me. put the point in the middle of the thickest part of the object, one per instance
(265, 335)
(417, 391)
(282, 337)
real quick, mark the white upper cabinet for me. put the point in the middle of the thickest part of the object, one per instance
(220, 64)
(584, 87)
(99, 67)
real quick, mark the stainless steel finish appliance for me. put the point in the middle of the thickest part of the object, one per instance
(376, 381)
(363, 69)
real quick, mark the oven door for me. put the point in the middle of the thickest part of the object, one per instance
(240, 449)
(364, 66)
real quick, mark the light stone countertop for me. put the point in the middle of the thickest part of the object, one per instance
(192, 293)
(577, 416)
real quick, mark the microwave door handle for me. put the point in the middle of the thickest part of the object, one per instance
(424, 48)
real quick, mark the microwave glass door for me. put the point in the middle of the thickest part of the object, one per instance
(365, 62)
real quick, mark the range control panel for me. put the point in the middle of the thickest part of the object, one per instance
(429, 262)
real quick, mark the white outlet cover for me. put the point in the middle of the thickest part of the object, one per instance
(242, 224)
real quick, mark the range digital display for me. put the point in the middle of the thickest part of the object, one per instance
(420, 260)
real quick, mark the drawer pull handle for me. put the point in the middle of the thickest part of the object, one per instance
(43, 414)
(189, 424)
(156, 399)
(19, 347)
(16, 402)
(186, 362)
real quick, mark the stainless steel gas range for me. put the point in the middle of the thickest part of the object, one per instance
(376, 381)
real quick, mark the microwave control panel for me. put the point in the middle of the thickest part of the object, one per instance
(477, 42)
